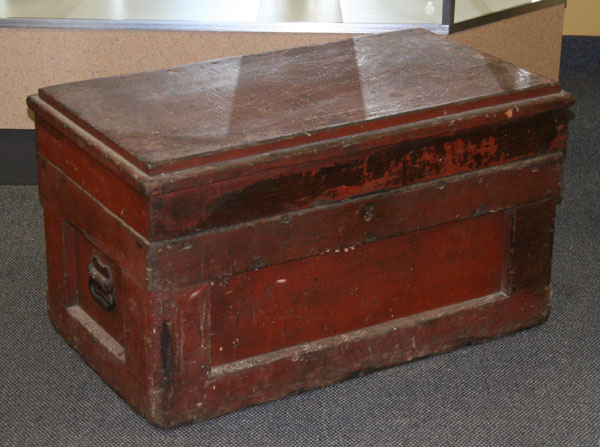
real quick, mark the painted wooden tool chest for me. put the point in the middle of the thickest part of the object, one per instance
(227, 233)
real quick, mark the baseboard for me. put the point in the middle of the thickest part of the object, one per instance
(18, 157)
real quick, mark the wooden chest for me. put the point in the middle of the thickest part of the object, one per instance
(230, 232)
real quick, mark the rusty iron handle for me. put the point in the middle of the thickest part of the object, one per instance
(101, 283)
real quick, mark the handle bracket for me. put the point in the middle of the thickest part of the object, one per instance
(101, 283)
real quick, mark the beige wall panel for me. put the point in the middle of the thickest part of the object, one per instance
(531, 41)
(582, 18)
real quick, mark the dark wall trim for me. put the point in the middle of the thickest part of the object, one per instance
(448, 8)
(18, 157)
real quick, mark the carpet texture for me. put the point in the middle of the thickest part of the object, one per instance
(540, 387)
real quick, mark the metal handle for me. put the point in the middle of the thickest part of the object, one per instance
(101, 283)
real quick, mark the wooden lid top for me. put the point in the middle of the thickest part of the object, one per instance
(192, 115)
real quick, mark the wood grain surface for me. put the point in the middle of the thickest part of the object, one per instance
(212, 111)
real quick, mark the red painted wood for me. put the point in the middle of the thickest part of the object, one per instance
(104, 229)
(185, 359)
(336, 210)
(321, 296)
(203, 175)
(300, 234)
(105, 185)
(219, 110)
(531, 257)
(127, 377)
(111, 321)
(57, 240)
(320, 364)
(301, 186)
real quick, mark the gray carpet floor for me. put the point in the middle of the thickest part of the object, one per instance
(540, 387)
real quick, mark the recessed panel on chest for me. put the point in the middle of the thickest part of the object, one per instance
(354, 287)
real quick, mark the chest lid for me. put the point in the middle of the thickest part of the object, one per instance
(203, 113)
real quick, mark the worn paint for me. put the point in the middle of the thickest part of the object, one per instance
(315, 231)
(284, 189)
(222, 253)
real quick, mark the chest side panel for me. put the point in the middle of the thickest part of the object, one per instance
(63, 149)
